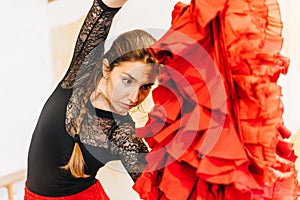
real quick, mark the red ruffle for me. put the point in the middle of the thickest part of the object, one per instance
(216, 130)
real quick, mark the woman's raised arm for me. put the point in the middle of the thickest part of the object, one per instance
(89, 46)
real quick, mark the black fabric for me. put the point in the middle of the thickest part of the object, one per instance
(51, 147)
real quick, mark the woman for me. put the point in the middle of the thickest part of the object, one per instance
(85, 122)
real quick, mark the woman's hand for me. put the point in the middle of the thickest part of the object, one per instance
(114, 3)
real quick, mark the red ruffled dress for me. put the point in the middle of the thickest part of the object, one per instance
(216, 130)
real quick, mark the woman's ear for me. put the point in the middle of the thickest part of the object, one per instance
(105, 68)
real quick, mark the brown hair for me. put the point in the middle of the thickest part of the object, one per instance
(129, 46)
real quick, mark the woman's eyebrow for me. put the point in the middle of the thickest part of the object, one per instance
(148, 84)
(130, 76)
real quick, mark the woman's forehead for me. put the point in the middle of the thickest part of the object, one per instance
(138, 70)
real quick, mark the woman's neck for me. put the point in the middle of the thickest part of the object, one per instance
(100, 101)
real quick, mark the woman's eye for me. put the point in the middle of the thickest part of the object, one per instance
(127, 81)
(146, 87)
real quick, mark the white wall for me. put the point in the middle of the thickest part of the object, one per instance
(26, 77)
(291, 48)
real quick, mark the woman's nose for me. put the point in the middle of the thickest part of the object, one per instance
(134, 96)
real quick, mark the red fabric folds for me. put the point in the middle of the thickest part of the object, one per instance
(94, 192)
(216, 131)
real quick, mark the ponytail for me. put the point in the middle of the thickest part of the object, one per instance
(76, 162)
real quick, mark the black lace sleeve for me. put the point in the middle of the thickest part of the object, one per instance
(90, 43)
(130, 148)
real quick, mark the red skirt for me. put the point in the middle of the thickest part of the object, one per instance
(216, 131)
(95, 192)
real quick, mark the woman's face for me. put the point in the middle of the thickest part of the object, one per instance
(128, 84)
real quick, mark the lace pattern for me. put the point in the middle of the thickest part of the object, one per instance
(90, 44)
(117, 135)
(126, 143)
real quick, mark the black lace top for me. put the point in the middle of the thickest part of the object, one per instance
(104, 136)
